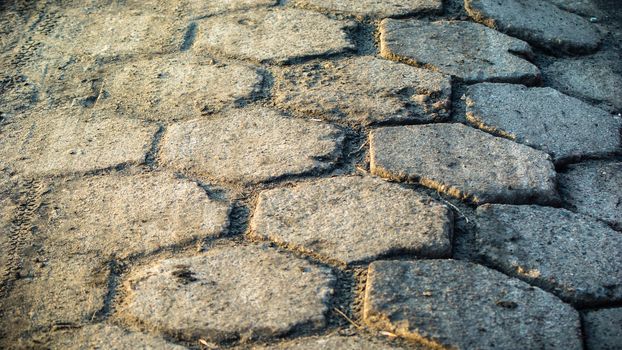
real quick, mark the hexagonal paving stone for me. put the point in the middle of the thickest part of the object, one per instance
(463, 162)
(276, 36)
(455, 304)
(250, 146)
(331, 342)
(544, 119)
(581, 7)
(373, 8)
(602, 329)
(593, 78)
(537, 22)
(230, 292)
(593, 188)
(179, 87)
(107, 34)
(54, 289)
(364, 90)
(353, 219)
(70, 140)
(469, 51)
(570, 255)
(121, 216)
(103, 336)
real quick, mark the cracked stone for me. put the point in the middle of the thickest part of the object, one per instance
(463, 162)
(108, 34)
(330, 342)
(65, 289)
(538, 22)
(593, 189)
(250, 146)
(568, 254)
(278, 36)
(353, 219)
(367, 9)
(103, 336)
(593, 79)
(545, 119)
(456, 304)
(179, 87)
(122, 216)
(602, 329)
(364, 90)
(469, 51)
(247, 291)
(71, 140)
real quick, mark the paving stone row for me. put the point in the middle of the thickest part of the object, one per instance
(183, 87)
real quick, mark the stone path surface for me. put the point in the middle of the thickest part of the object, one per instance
(310, 174)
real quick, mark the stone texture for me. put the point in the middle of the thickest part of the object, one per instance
(364, 90)
(70, 140)
(179, 87)
(373, 8)
(593, 79)
(469, 51)
(121, 216)
(353, 219)
(229, 292)
(537, 22)
(455, 304)
(59, 289)
(103, 336)
(208, 8)
(463, 162)
(250, 146)
(602, 329)
(545, 119)
(594, 188)
(331, 342)
(108, 34)
(565, 253)
(581, 7)
(278, 36)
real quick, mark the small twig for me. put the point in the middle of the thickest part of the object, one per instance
(101, 89)
(360, 148)
(347, 318)
(458, 210)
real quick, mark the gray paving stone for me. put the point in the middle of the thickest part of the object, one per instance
(229, 292)
(366, 9)
(463, 162)
(277, 36)
(107, 34)
(469, 51)
(581, 7)
(331, 342)
(545, 119)
(570, 255)
(602, 329)
(103, 336)
(208, 8)
(460, 305)
(59, 289)
(593, 79)
(71, 140)
(594, 188)
(178, 87)
(364, 90)
(353, 219)
(122, 216)
(250, 146)
(537, 22)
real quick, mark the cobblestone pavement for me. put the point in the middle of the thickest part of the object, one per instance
(310, 174)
